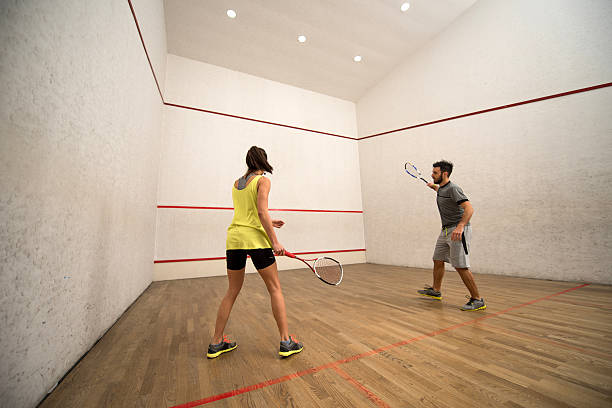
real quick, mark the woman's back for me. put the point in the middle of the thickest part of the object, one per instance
(246, 230)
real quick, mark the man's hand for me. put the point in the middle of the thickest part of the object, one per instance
(456, 235)
(432, 186)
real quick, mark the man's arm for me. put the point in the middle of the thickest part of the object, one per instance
(468, 210)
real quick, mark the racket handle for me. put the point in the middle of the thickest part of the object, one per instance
(289, 254)
(426, 182)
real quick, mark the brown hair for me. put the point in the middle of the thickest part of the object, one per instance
(257, 159)
(445, 166)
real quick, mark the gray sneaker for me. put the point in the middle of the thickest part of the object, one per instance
(474, 304)
(289, 347)
(430, 292)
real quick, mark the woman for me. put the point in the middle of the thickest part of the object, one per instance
(251, 233)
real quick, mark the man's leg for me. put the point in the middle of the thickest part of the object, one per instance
(438, 274)
(440, 255)
(468, 281)
(475, 302)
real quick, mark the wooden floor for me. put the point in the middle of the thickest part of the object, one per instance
(370, 342)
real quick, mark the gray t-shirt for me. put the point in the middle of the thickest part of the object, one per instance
(449, 197)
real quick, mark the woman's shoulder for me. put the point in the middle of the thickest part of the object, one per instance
(263, 181)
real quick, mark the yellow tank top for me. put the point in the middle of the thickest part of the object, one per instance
(246, 231)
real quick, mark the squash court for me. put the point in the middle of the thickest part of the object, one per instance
(161, 159)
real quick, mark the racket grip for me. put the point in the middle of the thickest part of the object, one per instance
(424, 180)
(289, 254)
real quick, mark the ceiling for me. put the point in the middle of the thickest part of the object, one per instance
(262, 39)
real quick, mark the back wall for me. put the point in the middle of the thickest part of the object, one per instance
(315, 180)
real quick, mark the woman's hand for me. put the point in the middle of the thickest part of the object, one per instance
(278, 249)
(277, 223)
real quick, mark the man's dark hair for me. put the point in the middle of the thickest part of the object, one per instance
(445, 166)
(257, 159)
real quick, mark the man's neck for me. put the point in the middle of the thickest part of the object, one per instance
(444, 182)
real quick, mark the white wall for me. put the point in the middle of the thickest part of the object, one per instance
(80, 119)
(538, 174)
(203, 153)
(152, 23)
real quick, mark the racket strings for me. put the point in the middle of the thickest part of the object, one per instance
(412, 170)
(329, 270)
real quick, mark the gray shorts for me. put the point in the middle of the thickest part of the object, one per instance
(453, 252)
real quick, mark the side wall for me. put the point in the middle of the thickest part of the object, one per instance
(80, 123)
(537, 174)
(203, 153)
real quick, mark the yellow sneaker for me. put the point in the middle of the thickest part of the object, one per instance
(215, 350)
(289, 347)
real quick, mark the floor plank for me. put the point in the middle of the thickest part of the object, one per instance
(372, 341)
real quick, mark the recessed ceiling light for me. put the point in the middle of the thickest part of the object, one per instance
(405, 6)
(357, 58)
(302, 38)
(231, 13)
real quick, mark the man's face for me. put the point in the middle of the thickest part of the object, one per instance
(436, 175)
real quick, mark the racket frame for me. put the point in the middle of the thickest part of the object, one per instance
(313, 269)
(414, 169)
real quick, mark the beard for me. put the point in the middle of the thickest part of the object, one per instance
(437, 180)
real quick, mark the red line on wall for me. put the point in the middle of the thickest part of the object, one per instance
(270, 209)
(366, 354)
(590, 88)
(145, 50)
(215, 112)
(222, 257)
(195, 208)
(189, 260)
(258, 120)
(329, 252)
(330, 211)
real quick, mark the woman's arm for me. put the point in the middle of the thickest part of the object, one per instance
(263, 189)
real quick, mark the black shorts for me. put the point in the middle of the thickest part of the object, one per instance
(262, 258)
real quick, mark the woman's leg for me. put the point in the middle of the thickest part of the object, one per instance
(235, 280)
(270, 276)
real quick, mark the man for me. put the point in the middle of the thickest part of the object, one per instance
(454, 241)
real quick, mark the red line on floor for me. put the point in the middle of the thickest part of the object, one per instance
(366, 354)
(571, 302)
(269, 209)
(371, 396)
(254, 387)
(545, 340)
